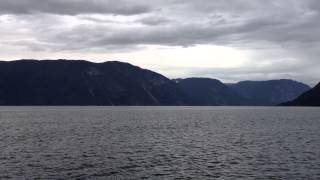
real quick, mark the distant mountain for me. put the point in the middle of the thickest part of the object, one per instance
(77, 82)
(271, 92)
(205, 91)
(65, 82)
(309, 98)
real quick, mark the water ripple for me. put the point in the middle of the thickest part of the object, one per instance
(159, 143)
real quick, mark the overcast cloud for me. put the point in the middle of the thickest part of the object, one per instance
(280, 38)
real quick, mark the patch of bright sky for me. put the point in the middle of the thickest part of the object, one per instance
(160, 58)
(186, 57)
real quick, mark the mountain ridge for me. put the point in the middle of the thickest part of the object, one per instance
(80, 82)
(210, 92)
(270, 92)
(308, 98)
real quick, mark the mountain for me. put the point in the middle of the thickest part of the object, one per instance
(77, 82)
(210, 92)
(271, 92)
(309, 98)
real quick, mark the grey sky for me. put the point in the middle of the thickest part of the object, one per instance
(280, 38)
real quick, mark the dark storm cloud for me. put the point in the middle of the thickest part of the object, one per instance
(178, 23)
(241, 23)
(71, 7)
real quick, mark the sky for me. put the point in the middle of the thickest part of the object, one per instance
(231, 40)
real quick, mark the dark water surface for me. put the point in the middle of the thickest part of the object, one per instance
(159, 143)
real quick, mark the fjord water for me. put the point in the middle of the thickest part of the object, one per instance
(159, 143)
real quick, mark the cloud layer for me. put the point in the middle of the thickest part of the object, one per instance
(275, 32)
(72, 7)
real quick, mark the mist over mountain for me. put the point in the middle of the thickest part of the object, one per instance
(270, 92)
(78, 82)
(309, 98)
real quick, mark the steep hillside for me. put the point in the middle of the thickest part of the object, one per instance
(205, 91)
(65, 82)
(270, 92)
(309, 98)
